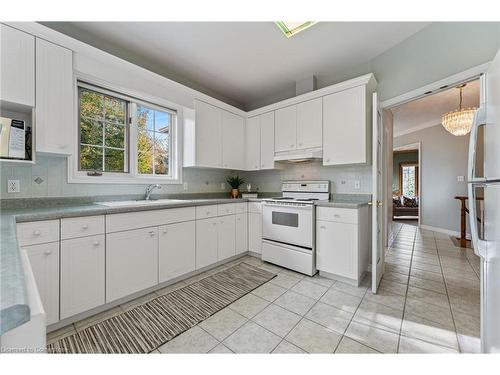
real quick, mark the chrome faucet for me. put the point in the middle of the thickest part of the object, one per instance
(149, 190)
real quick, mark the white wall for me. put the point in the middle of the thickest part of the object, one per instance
(444, 157)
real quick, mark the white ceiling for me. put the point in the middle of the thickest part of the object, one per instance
(241, 62)
(427, 111)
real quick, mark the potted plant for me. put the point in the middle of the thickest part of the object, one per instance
(235, 182)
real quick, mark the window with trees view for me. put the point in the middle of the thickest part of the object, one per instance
(118, 134)
(409, 180)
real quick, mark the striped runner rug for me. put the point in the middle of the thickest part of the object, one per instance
(148, 326)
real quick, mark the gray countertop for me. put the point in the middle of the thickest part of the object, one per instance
(14, 306)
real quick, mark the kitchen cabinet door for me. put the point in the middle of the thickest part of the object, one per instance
(226, 237)
(337, 248)
(208, 135)
(177, 250)
(44, 260)
(241, 242)
(131, 262)
(285, 130)
(345, 127)
(82, 274)
(267, 140)
(252, 144)
(206, 242)
(255, 232)
(54, 98)
(233, 141)
(310, 124)
(17, 59)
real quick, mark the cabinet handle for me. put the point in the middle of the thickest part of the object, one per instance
(327, 160)
(85, 227)
(96, 243)
(165, 231)
(322, 227)
(292, 145)
(48, 252)
(300, 144)
(37, 233)
(336, 215)
(152, 233)
(214, 223)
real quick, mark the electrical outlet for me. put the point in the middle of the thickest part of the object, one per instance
(13, 186)
(357, 184)
(185, 186)
(460, 178)
(222, 186)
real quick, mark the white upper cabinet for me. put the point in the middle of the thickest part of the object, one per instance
(267, 140)
(252, 144)
(208, 135)
(310, 124)
(215, 140)
(285, 129)
(345, 122)
(55, 121)
(233, 141)
(17, 61)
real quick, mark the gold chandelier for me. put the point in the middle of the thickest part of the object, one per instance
(459, 122)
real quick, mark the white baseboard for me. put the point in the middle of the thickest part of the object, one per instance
(445, 231)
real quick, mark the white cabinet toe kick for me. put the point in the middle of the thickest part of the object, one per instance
(293, 257)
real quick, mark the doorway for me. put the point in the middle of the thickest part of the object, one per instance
(406, 189)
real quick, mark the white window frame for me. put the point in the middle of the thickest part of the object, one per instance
(132, 177)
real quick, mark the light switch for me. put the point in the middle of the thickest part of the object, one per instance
(185, 186)
(357, 184)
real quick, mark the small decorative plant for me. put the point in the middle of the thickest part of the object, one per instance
(235, 182)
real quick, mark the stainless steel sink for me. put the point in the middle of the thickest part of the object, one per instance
(141, 202)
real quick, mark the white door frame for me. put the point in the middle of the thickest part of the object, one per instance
(434, 87)
(418, 146)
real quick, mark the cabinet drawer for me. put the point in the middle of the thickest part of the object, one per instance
(255, 207)
(37, 232)
(240, 208)
(82, 226)
(340, 215)
(225, 209)
(143, 219)
(202, 212)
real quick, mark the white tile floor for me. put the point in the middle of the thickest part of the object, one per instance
(428, 302)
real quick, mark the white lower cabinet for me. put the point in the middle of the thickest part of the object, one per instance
(255, 232)
(226, 231)
(206, 242)
(241, 229)
(342, 243)
(82, 274)
(44, 260)
(177, 250)
(336, 248)
(131, 262)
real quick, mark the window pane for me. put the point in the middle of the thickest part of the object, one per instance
(115, 110)
(91, 104)
(161, 153)
(162, 121)
(90, 132)
(114, 160)
(145, 152)
(115, 136)
(145, 118)
(90, 158)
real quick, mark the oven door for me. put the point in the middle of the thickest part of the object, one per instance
(288, 224)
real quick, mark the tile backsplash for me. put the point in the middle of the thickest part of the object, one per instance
(343, 179)
(47, 178)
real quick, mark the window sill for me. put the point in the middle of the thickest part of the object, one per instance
(130, 180)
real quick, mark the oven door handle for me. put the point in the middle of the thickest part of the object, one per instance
(304, 207)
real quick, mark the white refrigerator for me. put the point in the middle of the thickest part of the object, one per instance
(484, 180)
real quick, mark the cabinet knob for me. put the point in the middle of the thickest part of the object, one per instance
(37, 233)
(152, 233)
(95, 243)
(336, 215)
(48, 252)
(214, 223)
(85, 227)
(292, 145)
(165, 231)
(322, 227)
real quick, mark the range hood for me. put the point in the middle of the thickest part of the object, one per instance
(298, 156)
